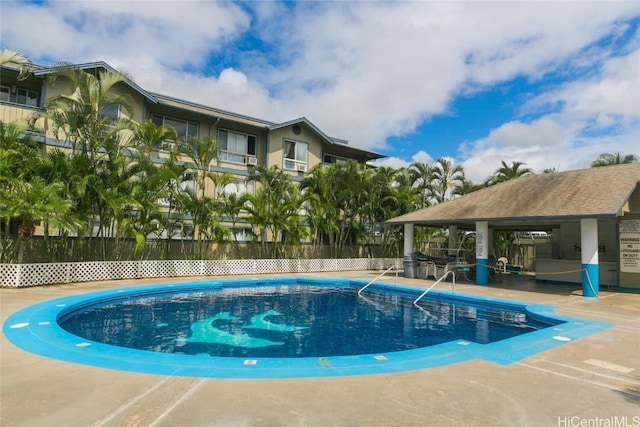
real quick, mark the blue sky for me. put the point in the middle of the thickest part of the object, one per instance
(550, 84)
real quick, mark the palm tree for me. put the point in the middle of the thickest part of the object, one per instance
(82, 117)
(469, 187)
(422, 176)
(14, 57)
(350, 186)
(318, 203)
(608, 159)
(447, 179)
(21, 152)
(148, 136)
(19, 161)
(36, 201)
(202, 153)
(275, 209)
(389, 193)
(232, 206)
(506, 172)
(152, 185)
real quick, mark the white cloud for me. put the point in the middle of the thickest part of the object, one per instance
(236, 82)
(614, 92)
(365, 71)
(539, 133)
(597, 114)
(395, 162)
(173, 34)
(391, 162)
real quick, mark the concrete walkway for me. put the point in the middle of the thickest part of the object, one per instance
(591, 380)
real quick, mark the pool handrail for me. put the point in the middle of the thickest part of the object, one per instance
(379, 276)
(444, 276)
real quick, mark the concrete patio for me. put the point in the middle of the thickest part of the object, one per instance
(594, 378)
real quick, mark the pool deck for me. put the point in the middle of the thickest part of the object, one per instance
(595, 379)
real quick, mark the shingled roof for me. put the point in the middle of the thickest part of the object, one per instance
(542, 200)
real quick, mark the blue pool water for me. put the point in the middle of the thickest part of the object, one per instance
(285, 328)
(291, 321)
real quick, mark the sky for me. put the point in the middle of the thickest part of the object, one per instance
(551, 84)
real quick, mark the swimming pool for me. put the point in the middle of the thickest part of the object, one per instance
(292, 327)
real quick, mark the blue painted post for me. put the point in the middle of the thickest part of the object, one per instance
(589, 250)
(482, 253)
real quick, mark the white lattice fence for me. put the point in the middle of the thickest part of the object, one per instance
(9, 275)
(43, 274)
(317, 265)
(108, 270)
(352, 264)
(24, 275)
(277, 266)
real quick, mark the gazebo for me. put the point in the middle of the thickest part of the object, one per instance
(592, 214)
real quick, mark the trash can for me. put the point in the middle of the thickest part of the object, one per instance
(410, 266)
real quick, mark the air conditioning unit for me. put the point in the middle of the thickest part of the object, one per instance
(301, 168)
(168, 146)
(252, 160)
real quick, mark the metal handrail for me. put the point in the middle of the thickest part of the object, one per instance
(379, 276)
(444, 276)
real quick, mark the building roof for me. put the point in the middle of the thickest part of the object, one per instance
(43, 71)
(344, 145)
(537, 200)
(194, 108)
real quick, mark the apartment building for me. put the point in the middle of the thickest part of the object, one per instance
(295, 146)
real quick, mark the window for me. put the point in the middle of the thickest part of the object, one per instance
(242, 234)
(330, 158)
(189, 183)
(183, 128)
(27, 97)
(111, 111)
(5, 93)
(235, 147)
(19, 95)
(237, 188)
(295, 155)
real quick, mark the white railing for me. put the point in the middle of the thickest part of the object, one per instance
(444, 276)
(379, 276)
(25, 275)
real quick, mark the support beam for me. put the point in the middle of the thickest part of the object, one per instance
(410, 267)
(589, 250)
(453, 241)
(482, 253)
(408, 239)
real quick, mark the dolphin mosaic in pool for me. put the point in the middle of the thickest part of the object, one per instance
(205, 331)
(286, 327)
(260, 322)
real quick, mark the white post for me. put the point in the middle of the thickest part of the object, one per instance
(409, 263)
(453, 240)
(408, 239)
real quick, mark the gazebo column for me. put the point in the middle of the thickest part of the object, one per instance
(453, 241)
(482, 253)
(589, 250)
(409, 262)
